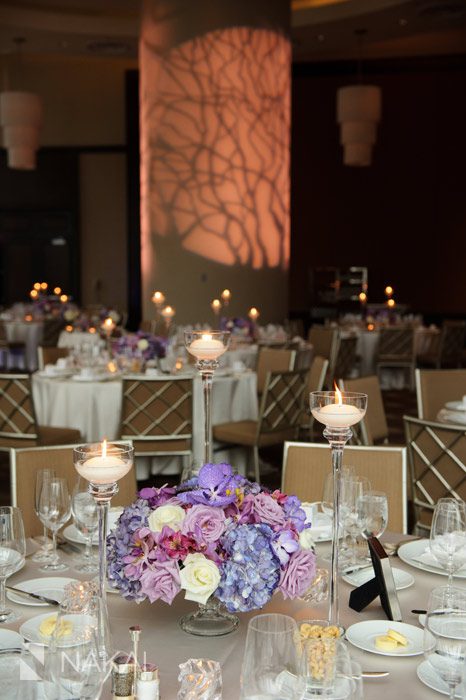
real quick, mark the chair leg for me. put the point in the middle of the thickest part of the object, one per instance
(257, 475)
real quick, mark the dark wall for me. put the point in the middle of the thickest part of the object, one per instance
(405, 216)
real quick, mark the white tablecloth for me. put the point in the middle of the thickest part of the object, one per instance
(167, 645)
(94, 407)
(30, 333)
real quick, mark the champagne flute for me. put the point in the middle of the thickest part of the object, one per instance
(445, 635)
(448, 535)
(12, 554)
(86, 520)
(43, 554)
(54, 512)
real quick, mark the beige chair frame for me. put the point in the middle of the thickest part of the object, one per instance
(50, 354)
(25, 462)
(273, 360)
(306, 465)
(373, 427)
(437, 464)
(397, 350)
(434, 387)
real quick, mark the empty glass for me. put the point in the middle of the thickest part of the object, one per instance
(372, 513)
(54, 512)
(272, 662)
(12, 554)
(84, 509)
(448, 535)
(43, 554)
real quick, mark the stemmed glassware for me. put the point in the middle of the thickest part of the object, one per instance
(86, 519)
(372, 514)
(448, 535)
(352, 489)
(207, 347)
(43, 554)
(338, 411)
(445, 635)
(12, 554)
(54, 512)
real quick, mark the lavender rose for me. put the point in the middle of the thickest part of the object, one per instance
(268, 511)
(299, 574)
(204, 522)
(162, 581)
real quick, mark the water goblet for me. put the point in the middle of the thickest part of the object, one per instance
(272, 662)
(86, 520)
(372, 514)
(448, 535)
(12, 554)
(43, 554)
(445, 635)
(54, 512)
(352, 489)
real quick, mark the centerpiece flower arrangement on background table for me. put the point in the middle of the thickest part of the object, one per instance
(217, 535)
(140, 345)
(240, 328)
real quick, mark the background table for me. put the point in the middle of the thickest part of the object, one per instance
(167, 645)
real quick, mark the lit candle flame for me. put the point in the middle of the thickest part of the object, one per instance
(206, 336)
(104, 448)
(338, 396)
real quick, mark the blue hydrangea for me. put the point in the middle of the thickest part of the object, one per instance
(120, 543)
(252, 571)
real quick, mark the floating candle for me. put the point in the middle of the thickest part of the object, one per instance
(206, 347)
(338, 414)
(103, 468)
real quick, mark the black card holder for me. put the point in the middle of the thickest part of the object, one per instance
(382, 585)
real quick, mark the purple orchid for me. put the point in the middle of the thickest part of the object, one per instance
(216, 486)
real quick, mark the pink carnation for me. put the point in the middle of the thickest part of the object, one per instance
(299, 574)
(162, 581)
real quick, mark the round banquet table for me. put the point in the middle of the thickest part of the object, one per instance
(167, 645)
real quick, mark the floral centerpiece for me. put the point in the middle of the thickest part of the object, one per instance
(240, 328)
(215, 536)
(140, 345)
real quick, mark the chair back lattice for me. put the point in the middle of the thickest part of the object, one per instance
(282, 401)
(346, 357)
(17, 417)
(396, 344)
(157, 409)
(437, 463)
(272, 360)
(452, 343)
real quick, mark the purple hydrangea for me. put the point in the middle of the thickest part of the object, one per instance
(294, 513)
(251, 572)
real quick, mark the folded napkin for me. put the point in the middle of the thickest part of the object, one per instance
(428, 559)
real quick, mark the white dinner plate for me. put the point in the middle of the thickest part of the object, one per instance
(431, 679)
(402, 578)
(58, 374)
(31, 629)
(10, 640)
(410, 550)
(363, 634)
(95, 377)
(49, 587)
(456, 405)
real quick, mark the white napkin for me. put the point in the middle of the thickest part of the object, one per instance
(428, 559)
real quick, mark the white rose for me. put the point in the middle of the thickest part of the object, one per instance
(143, 344)
(305, 538)
(169, 515)
(114, 315)
(199, 577)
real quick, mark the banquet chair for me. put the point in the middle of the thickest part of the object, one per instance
(306, 465)
(434, 387)
(51, 331)
(24, 463)
(280, 412)
(272, 360)
(447, 348)
(303, 358)
(18, 426)
(396, 350)
(373, 428)
(437, 464)
(316, 379)
(13, 352)
(346, 358)
(50, 355)
(156, 415)
(325, 342)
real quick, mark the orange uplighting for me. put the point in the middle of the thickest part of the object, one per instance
(43, 286)
(63, 298)
(391, 303)
(57, 291)
(362, 297)
(33, 293)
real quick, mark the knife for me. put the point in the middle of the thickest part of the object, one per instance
(35, 596)
(374, 674)
(356, 568)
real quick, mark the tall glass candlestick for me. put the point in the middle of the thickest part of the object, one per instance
(338, 411)
(103, 466)
(206, 347)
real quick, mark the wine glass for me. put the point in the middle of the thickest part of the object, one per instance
(12, 553)
(54, 512)
(445, 635)
(352, 489)
(86, 520)
(43, 554)
(448, 535)
(372, 514)
(272, 662)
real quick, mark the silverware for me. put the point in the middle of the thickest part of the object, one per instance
(373, 674)
(13, 650)
(356, 568)
(35, 596)
(419, 612)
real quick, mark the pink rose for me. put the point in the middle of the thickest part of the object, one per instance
(268, 511)
(299, 574)
(204, 521)
(162, 581)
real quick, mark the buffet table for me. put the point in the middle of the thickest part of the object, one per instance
(167, 645)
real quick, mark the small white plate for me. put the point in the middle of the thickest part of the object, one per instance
(456, 405)
(31, 629)
(72, 534)
(431, 679)
(410, 550)
(363, 634)
(402, 578)
(10, 640)
(49, 587)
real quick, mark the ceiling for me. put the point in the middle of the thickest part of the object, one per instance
(321, 29)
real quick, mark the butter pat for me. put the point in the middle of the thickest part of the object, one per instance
(385, 643)
(47, 627)
(398, 637)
